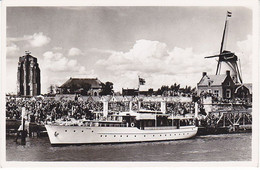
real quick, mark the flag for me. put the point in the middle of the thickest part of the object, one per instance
(229, 14)
(141, 81)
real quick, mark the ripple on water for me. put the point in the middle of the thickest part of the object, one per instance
(226, 147)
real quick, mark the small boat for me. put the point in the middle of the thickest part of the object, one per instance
(124, 127)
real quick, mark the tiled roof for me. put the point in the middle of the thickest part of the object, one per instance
(216, 80)
(247, 85)
(82, 82)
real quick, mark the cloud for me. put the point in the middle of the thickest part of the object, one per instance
(38, 40)
(57, 62)
(12, 49)
(57, 68)
(57, 48)
(101, 51)
(158, 64)
(74, 52)
(35, 40)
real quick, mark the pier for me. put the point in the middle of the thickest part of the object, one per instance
(226, 121)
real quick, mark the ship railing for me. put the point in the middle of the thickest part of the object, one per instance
(105, 125)
(92, 124)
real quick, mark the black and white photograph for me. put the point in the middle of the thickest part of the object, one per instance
(130, 82)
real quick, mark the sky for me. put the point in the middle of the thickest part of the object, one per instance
(163, 45)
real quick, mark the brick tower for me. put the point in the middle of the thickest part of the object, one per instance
(28, 76)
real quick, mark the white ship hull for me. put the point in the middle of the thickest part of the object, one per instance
(93, 135)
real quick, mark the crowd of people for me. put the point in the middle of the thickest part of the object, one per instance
(49, 109)
(40, 110)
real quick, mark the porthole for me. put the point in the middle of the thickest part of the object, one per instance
(105, 135)
(144, 135)
(100, 135)
(126, 135)
(65, 130)
(120, 135)
(82, 131)
(170, 134)
(135, 135)
(153, 135)
(160, 135)
(165, 134)
(74, 130)
(114, 135)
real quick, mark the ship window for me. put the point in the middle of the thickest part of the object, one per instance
(170, 134)
(160, 135)
(105, 135)
(82, 131)
(114, 135)
(65, 130)
(165, 134)
(100, 135)
(153, 135)
(135, 135)
(74, 130)
(126, 135)
(144, 135)
(120, 135)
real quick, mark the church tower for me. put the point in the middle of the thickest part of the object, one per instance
(28, 76)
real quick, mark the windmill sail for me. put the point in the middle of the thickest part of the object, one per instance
(228, 58)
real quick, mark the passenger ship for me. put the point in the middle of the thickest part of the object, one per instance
(124, 127)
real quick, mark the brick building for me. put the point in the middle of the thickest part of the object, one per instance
(220, 85)
(28, 76)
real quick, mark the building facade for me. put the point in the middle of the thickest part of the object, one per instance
(28, 76)
(244, 92)
(221, 86)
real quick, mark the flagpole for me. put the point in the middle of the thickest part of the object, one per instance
(138, 83)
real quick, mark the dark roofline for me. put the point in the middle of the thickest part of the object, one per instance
(71, 79)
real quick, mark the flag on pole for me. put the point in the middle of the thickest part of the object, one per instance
(229, 14)
(141, 81)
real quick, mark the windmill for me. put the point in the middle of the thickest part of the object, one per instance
(228, 58)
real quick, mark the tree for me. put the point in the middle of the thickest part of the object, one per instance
(52, 89)
(159, 92)
(107, 88)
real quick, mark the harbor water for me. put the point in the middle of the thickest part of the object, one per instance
(224, 147)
